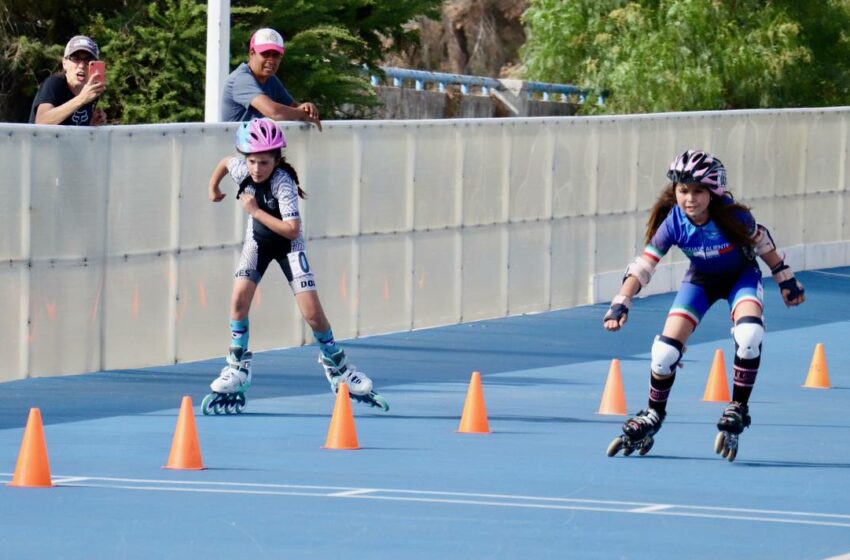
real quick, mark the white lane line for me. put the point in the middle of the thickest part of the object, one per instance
(459, 498)
(651, 509)
(350, 493)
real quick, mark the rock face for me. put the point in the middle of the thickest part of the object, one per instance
(475, 37)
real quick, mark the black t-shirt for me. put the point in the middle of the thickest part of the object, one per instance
(55, 91)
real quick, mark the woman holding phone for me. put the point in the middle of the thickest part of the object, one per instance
(69, 97)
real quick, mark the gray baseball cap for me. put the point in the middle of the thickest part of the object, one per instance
(82, 43)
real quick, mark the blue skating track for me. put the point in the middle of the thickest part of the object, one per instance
(539, 486)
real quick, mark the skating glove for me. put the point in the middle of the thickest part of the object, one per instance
(619, 308)
(792, 291)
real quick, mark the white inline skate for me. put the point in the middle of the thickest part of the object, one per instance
(228, 389)
(339, 370)
(735, 418)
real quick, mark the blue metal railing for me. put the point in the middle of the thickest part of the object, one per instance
(421, 77)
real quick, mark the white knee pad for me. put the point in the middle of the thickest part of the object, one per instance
(666, 354)
(748, 337)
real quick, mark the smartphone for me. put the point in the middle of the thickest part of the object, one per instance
(98, 67)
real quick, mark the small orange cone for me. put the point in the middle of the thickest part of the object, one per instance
(33, 469)
(613, 397)
(474, 418)
(717, 386)
(185, 449)
(818, 377)
(342, 434)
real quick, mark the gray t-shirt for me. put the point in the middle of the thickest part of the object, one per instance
(240, 89)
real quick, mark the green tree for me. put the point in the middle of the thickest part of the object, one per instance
(329, 43)
(155, 50)
(32, 38)
(679, 55)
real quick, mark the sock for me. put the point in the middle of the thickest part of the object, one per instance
(239, 333)
(326, 342)
(659, 390)
(743, 385)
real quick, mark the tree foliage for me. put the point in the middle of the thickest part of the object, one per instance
(679, 55)
(155, 50)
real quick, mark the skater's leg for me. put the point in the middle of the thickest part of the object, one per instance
(667, 350)
(748, 333)
(332, 357)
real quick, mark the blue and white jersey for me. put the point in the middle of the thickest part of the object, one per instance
(707, 248)
(278, 196)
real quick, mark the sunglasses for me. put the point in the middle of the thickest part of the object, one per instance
(76, 58)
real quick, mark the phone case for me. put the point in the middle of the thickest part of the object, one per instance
(98, 67)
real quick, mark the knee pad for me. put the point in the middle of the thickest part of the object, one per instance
(666, 355)
(748, 333)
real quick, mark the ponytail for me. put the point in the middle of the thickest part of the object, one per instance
(285, 166)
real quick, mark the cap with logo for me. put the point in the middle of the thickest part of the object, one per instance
(82, 43)
(266, 40)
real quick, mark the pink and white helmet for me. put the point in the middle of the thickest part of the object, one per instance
(697, 166)
(259, 135)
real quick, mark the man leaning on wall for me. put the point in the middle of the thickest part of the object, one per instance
(70, 97)
(253, 90)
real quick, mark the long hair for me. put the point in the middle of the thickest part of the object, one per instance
(285, 166)
(724, 211)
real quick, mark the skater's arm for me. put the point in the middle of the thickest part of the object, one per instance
(793, 292)
(219, 173)
(285, 228)
(618, 313)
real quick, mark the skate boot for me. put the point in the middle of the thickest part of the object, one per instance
(735, 418)
(637, 433)
(228, 389)
(339, 370)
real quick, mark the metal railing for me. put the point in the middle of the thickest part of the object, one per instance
(420, 78)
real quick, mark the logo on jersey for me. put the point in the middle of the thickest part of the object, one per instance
(80, 116)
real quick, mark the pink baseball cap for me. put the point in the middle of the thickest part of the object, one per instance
(266, 40)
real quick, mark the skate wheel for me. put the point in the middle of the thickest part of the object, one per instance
(615, 446)
(230, 408)
(380, 402)
(217, 408)
(240, 403)
(644, 449)
(205, 404)
(628, 450)
(720, 442)
(731, 454)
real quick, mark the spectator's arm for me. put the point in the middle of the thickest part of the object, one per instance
(280, 112)
(47, 113)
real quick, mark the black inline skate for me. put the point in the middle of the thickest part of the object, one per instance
(637, 433)
(735, 418)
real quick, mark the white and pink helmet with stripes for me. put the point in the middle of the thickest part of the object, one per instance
(697, 166)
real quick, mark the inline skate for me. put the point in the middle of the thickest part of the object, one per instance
(228, 389)
(338, 370)
(637, 433)
(735, 418)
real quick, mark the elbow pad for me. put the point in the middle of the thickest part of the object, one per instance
(642, 269)
(763, 242)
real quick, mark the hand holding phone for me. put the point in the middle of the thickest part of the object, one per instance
(98, 67)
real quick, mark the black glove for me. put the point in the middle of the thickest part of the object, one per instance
(619, 308)
(789, 286)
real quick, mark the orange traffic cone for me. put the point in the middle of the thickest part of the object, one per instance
(474, 418)
(33, 469)
(185, 449)
(342, 434)
(613, 396)
(818, 377)
(717, 386)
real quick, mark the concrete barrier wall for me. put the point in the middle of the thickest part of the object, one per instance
(111, 256)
